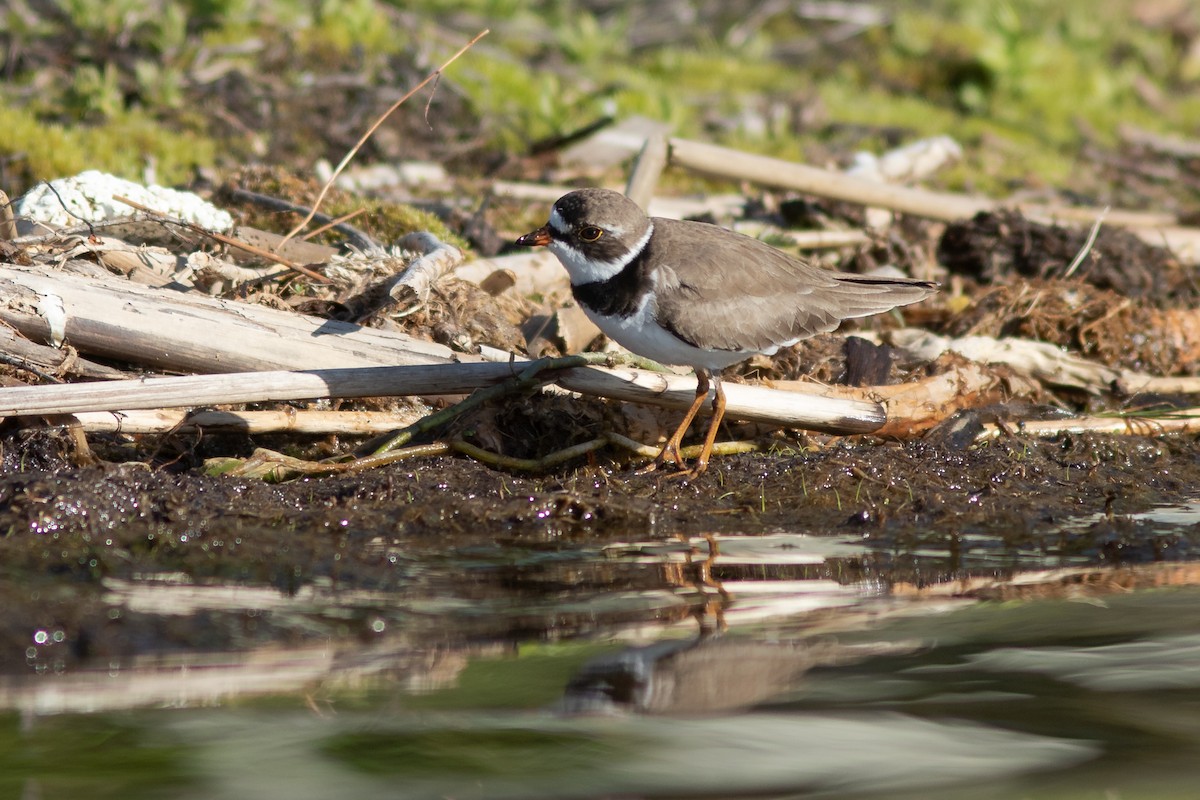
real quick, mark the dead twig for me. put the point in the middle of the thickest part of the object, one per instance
(276, 467)
(335, 223)
(358, 238)
(528, 464)
(223, 239)
(371, 131)
(1087, 246)
(583, 448)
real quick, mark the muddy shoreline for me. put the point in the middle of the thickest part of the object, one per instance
(417, 530)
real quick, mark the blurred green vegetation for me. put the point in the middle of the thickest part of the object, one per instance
(112, 84)
(89, 755)
(502, 753)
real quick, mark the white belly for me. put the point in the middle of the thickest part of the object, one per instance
(641, 334)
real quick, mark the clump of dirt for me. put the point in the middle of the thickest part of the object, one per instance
(1000, 246)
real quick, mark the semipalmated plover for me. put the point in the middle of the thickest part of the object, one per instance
(699, 295)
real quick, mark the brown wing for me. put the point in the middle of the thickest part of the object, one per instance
(737, 293)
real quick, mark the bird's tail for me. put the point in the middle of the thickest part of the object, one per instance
(862, 296)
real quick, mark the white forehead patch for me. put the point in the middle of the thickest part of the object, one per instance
(557, 222)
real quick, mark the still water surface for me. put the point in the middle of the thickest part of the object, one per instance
(777, 665)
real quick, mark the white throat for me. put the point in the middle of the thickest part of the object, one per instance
(583, 270)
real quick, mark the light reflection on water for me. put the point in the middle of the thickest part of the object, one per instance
(775, 665)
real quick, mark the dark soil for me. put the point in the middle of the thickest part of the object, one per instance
(1002, 247)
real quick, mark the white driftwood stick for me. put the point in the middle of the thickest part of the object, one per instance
(50, 359)
(824, 240)
(946, 206)
(437, 258)
(535, 272)
(162, 420)
(1046, 362)
(649, 166)
(915, 407)
(737, 165)
(1155, 228)
(751, 403)
(1181, 421)
(1140, 383)
(248, 387)
(191, 333)
(1042, 361)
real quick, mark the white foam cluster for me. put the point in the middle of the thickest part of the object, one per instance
(88, 197)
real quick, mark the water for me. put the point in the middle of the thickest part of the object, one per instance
(779, 665)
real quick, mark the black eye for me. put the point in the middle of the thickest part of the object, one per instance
(590, 234)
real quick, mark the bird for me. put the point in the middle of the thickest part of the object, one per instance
(694, 294)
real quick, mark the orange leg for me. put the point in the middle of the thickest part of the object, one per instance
(671, 448)
(711, 438)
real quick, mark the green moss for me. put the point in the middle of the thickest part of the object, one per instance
(349, 25)
(525, 106)
(387, 222)
(123, 145)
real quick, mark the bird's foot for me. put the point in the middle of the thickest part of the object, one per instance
(684, 473)
(651, 467)
(670, 450)
(689, 473)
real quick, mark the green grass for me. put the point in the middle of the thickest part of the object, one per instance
(1023, 85)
